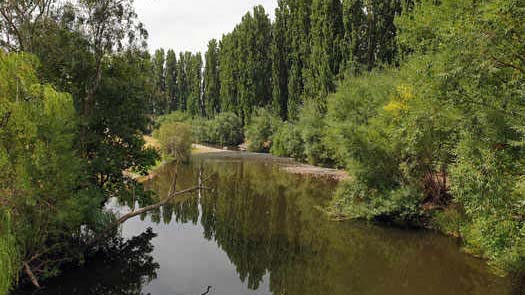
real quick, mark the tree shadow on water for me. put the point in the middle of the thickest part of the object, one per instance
(121, 268)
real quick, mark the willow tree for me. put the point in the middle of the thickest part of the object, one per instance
(43, 188)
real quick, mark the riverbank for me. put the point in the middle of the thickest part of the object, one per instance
(290, 166)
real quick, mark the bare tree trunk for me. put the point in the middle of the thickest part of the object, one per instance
(31, 275)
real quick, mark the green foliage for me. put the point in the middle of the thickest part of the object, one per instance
(492, 195)
(355, 199)
(171, 81)
(443, 131)
(194, 74)
(351, 124)
(9, 256)
(312, 127)
(64, 145)
(225, 130)
(260, 130)
(175, 117)
(211, 82)
(287, 142)
(175, 140)
(42, 183)
(326, 37)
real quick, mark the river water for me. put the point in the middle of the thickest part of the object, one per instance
(260, 231)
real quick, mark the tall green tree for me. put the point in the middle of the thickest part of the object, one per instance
(183, 74)
(280, 51)
(211, 82)
(254, 37)
(194, 101)
(171, 81)
(228, 74)
(45, 197)
(326, 48)
(299, 34)
(161, 103)
(354, 21)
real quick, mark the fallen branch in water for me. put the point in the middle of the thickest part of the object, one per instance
(171, 196)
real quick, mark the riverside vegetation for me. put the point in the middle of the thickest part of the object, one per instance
(421, 101)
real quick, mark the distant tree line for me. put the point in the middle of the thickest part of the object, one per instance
(279, 65)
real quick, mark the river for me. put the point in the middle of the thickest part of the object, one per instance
(259, 231)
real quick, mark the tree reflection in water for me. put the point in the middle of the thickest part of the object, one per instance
(267, 223)
(123, 268)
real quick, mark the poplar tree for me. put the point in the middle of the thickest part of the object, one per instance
(171, 80)
(194, 103)
(254, 35)
(299, 34)
(182, 80)
(160, 106)
(354, 20)
(280, 51)
(326, 40)
(211, 83)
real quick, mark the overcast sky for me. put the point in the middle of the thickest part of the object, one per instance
(190, 24)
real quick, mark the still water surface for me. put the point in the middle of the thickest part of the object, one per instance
(260, 232)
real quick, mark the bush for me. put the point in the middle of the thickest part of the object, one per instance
(225, 129)
(9, 256)
(312, 127)
(175, 140)
(175, 117)
(260, 130)
(354, 199)
(352, 111)
(493, 198)
(287, 142)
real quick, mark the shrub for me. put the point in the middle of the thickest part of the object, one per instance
(493, 198)
(354, 199)
(226, 129)
(175, 117)
(260, 130)
(312, 127)
(175, 140)
(287, 142)
(9, 256)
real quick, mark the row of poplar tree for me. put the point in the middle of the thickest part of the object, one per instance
(300, 55)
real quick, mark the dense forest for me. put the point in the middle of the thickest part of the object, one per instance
(421, 101)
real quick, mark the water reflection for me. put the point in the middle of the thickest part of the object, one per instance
(267, 223)
(259, 232)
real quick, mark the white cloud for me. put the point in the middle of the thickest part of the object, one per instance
(189, 24)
